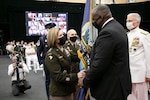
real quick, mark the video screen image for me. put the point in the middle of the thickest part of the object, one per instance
(36, 21)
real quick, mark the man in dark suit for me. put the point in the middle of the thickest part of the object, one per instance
(109, 75)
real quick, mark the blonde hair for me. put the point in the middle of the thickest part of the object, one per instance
(52, 36)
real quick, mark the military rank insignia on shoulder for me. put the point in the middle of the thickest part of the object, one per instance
(144, 32)
(50, 50)
(50, 54)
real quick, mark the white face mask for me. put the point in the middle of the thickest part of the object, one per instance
(129, 25)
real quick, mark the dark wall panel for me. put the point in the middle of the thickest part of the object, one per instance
(17, 16)
(120, 12)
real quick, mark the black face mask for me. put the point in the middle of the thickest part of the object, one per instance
(62, 40)
(95, 25)
(73, 39)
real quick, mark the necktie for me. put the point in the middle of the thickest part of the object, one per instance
(17, 72)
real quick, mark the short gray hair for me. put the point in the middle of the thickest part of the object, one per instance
(136, 16)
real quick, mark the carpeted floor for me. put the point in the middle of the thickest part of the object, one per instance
(37, 92)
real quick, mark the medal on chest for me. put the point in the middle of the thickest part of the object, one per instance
(134, 44)
(135, 41)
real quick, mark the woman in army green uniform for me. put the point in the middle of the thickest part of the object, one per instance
(58, 62)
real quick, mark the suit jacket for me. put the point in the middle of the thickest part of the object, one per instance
(109, 74)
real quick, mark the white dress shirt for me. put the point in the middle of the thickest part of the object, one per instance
(22, 72)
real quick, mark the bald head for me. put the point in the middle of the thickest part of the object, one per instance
(102, 10)
(71, 34)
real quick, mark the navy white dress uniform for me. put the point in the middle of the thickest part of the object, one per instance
(58, 63)
(139, 46)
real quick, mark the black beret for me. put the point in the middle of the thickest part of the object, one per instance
(50, 25)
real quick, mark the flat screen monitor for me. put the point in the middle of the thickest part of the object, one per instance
(36, 21)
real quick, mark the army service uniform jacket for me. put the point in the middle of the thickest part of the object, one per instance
(139, 46)
(74, 56)
(58, 64)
